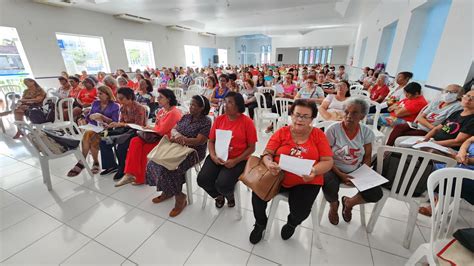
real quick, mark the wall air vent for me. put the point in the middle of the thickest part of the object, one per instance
(132, 18)
(178, 27)
(58, 3)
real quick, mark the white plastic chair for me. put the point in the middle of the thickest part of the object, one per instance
(60, 122)
(270, 90)
(189, 183)
(444, 213)
(314, 216)
(283, 104)
(4, 89)
(356, 86)
(179, 93)
(193, 90)
(262, 112)
(10, 103)
(405, 192)
(199, 81)
(238, 203)
(362, 93)
(45, 154)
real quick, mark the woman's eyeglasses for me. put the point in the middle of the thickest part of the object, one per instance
(468, 97)
(302, 117)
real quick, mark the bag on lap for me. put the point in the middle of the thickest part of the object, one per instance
(149, 137)
(258, 178)
(42, 114)
(170, 155)
(118, 135)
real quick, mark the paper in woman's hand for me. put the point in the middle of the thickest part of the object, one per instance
(365, 178)
(96, 129)
(223, 138)
(296, 165)
(138, 127)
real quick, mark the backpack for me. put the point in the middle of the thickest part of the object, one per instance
(42, 114)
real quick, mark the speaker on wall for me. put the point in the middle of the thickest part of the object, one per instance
(215, 59)
(280, 57)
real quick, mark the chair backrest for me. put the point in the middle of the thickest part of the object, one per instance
(11, 88)
(284, 104)
(194, 90)
(178, 92)
(356, 87)
(199, 81)
(405, 192)
(448, 183)
(33, 138)
(68, 104)
(10, 101)
(147, 110)
(261, 103)
(421, 113)
(266, 90)
(359, 93)
(51, 91)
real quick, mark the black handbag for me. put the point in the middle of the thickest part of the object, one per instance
(118, 135)
(465, 237)
(149, 137)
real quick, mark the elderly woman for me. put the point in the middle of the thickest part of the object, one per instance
(122, 82)
(103, 111)
(110, 82)
(351, 143)
(435, 113)
(218, 177)
(380, 90)
(303, 141)
(166, 119)
(332, 106)
(131, 112)
(32, 96)
(310, 91)
(192, 130)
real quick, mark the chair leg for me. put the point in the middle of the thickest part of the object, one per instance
(80, 157)
(46, 174)
(204, 200)
(362, 215)
(238, 203)
(189, 186)
(412, 215)
(420, 252)
(322, 206)
(2, 125)
(315, 217)
(271, 216)
(376, 213)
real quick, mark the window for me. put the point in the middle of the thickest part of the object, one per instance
(329, 56)
(269, 51)
(306, 56)
(323, 56)
(222, 53)
(262, 54)
(311, 56)
(139, 54)
(13, 63)
(193, 56)
(318, 55)
(300, 57)
(83, 53)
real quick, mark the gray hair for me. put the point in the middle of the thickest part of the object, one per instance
(110, 80)
(122, 80)
(364, 105)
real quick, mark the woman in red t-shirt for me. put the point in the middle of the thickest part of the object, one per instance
(303, 141)
(380, 90)
(218, 177)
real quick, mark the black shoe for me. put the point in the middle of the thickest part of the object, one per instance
(109, 171)
(220, 201)
(118, 176)
(230, 202)
(287, 231)
(257, 233)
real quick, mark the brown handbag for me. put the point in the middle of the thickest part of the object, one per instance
(258, 178)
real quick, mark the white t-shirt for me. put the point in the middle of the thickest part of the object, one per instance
(435, 115)
(334, 104)
(317, 92)
(348, 153)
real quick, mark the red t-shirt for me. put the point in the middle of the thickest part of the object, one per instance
(243, 133)
(379, 91)
(313, 149)
(87, 96)
(413, 106)
(131, 84)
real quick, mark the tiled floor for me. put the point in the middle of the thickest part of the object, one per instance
(86, 220)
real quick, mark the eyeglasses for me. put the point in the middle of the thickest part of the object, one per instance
(468, 97)
(302, 117)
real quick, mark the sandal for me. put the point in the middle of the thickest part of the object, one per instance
(346, 212)
(179, 206)
(160, 198)
(426, 211)
(95, 168)
(75, 170)
(333, 216)
(220, 201)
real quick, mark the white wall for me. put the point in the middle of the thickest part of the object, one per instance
(454, 55)
(290, 55)
(37, 24)
(320, 37)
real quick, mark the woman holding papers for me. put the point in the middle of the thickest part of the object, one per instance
(131, 112)
(231, 141)
(301, 143)
(103, 111)
(166, 119)
(351, 144)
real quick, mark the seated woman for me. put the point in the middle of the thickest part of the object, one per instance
(166, 119)
(260, 80)
(249, 96)
(192, 130)
(405, 110)
(64, 88)
(103, 112)
(351, 143)
(310, 91)
(396, 94)
(209, 87)
(303, 141)
(435, 113)
(122, 82)
(218, 177)
(144, 92)
(332, 106)
(289, 88)
(331, 77)
(111, 82)
(220, 92)
(131, 112)
(88, 94)
(172, 82)
(457, 128)
(33, 96)
(380, 90)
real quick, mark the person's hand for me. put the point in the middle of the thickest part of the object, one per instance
(274, 168)
(230, 163)
(309, 177)
(97, 117)
(179, 139)
(461, 157)
(114, 124)
(217, 160)
(346, 180)
(81, 122)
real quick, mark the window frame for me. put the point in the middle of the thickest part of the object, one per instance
(152, 55)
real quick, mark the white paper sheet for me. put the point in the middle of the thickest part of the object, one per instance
(295, 165)
(96, 129)
(223, 138)
(138, 127)
(432, 145)
(410, 141)
(365, 178)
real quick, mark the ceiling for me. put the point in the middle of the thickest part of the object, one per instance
(242, 17)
